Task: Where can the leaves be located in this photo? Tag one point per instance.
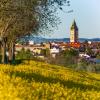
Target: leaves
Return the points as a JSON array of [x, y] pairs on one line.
[[27, 16]]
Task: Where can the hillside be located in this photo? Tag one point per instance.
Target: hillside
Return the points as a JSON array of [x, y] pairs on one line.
[[41, 81]]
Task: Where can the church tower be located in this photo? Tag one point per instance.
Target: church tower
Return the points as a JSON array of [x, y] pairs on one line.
[[74, 33]]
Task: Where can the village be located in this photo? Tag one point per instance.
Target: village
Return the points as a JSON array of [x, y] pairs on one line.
[[87, 49]]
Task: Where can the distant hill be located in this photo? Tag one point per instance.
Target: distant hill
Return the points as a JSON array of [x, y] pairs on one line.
[[41, 39]]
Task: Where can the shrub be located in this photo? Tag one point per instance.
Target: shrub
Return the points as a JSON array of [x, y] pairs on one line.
[[66, 58], [24, 54]]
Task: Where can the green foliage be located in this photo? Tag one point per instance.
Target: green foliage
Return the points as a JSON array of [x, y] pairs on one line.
[[66, 58], [45, 52], [24, 54], [21, 17], [85, 65], [70, 52], [89, 51], [41, 81], [98, 55]]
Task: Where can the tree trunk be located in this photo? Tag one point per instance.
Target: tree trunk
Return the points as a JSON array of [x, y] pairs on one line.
[[12, 52], [4, 50]]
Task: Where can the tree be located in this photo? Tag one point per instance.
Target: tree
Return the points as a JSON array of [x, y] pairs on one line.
[[70, 56], [66, 57], [24, 54], [23, 17], [45, 52], [15, 22]]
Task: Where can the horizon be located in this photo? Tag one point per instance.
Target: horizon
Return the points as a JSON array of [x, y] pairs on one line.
[[69, 38], [62, 37]]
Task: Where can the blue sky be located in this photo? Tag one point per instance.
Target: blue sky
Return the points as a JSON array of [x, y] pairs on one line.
[[87, 16]]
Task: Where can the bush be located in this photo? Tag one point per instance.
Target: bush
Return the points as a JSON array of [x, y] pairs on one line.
[[84, 65], [24, 54], [45, 52], [65, 58]]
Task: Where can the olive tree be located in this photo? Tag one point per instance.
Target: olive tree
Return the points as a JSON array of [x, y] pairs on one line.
[[23, 17]]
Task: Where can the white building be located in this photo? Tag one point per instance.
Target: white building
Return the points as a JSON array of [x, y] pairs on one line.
[[31, 42]]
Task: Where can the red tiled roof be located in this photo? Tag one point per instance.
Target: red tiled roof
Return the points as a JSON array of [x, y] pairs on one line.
[[76, 45]]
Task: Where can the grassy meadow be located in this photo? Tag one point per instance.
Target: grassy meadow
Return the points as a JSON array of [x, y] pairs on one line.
[[42, 81]]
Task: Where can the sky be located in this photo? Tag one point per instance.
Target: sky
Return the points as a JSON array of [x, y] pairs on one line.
[[87, 16]]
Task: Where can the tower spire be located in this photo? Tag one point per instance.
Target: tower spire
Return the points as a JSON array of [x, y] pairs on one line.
[[74, 32], [74, 26]]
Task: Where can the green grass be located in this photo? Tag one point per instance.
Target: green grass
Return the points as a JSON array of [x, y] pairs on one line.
[[42, 81]]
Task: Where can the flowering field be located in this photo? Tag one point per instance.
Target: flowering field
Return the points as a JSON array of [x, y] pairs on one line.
[[41, 81]]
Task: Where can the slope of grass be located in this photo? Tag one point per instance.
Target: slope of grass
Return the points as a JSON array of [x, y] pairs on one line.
[[41, 81]]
